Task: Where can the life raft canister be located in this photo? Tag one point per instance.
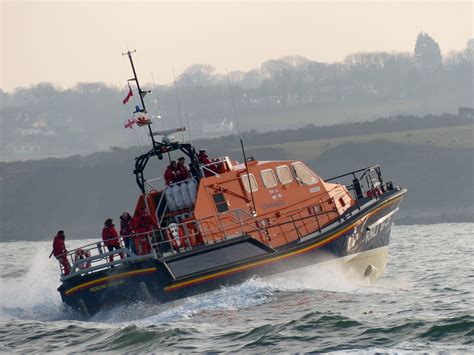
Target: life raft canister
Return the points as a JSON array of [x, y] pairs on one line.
[[175, 235], [82, 254]]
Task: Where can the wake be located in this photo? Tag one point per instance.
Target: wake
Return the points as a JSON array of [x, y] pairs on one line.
[[32, 294]]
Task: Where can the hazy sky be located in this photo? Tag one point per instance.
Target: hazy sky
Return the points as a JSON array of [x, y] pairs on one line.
[[72, 41]]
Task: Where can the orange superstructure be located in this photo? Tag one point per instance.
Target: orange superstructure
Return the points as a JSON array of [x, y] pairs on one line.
[[276, 202]]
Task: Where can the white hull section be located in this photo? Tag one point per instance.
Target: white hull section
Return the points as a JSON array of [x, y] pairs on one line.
[[367, 266]]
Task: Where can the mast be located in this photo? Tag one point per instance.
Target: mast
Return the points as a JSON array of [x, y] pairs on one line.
[[158, 147], [140, 93]]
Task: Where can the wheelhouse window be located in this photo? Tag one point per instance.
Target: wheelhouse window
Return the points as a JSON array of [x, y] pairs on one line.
[[253, 182], [269, 179], [317, 209], [305, 175], [284, 174], [220, 202]]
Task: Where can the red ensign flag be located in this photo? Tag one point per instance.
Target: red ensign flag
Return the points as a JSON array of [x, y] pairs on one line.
[[129, 95]]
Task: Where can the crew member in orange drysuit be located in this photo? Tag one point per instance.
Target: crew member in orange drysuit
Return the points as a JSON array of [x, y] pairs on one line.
[[143, 224], [60, 252], [171, 173], [111, 238]]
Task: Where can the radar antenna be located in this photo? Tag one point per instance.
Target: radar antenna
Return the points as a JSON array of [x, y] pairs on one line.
[[166, 134]]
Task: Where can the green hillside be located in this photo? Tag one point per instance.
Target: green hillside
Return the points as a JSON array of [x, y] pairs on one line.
[[343, 113], [456, 137]]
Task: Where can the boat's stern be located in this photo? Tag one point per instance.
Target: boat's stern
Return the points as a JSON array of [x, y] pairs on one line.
[[124, 282]]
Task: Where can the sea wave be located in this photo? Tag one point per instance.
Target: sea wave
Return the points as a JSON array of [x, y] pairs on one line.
[[423, 304]]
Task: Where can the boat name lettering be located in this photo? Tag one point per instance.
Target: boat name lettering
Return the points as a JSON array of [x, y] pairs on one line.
[[107, 285], [314, 189], [275, 204], [378, 228]]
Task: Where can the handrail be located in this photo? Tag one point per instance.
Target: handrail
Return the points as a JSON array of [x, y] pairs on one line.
[[372, 184], [218, 160], [162, 215], [76, 268], [238, 210], [161, 199], [148, 183], [206, 167], [369, 168], [256, 229], [237, 219]]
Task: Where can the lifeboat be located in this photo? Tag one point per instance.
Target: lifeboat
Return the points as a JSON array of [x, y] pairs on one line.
[[230, 221], [255, 218]]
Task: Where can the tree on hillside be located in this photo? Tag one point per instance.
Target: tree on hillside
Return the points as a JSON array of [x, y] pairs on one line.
[[427, 52], [252, 79], [296, 61], [198, 74], [469, 51]]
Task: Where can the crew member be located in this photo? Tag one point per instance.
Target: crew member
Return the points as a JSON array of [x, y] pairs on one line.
[[111, 238], [182, 170], [126, 231], [143, 224], [171, 173], [204, 160], [60, 252]]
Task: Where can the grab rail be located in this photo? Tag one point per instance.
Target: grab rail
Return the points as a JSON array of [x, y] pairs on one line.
[[372, 184], [212, 225]]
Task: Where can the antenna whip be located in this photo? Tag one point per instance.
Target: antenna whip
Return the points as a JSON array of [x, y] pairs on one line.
[[241, 141], [179, 104]]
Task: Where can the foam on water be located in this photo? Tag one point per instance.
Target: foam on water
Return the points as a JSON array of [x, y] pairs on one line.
[[328, 277], [255, 291], [31, 294]]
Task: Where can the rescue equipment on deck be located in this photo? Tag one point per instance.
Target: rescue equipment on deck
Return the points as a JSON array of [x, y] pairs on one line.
[[175, 235], [181, 195], [81, 254]]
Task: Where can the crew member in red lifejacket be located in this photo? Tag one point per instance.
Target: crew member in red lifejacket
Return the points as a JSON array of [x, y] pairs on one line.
[[182, 171], [143, 224], [204, 160], [60, 252], [111, 238], [126, 231], [171, 173]]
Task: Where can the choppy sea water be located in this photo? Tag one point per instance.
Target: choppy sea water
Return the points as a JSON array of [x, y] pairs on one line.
[[424, 302]]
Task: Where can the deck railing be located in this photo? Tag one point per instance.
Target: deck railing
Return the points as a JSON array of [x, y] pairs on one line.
[[227, 225], [374, 185]]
